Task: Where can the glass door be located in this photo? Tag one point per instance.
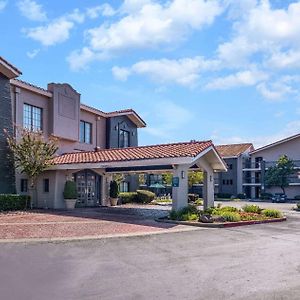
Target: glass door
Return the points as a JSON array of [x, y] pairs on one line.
[[88, 188]]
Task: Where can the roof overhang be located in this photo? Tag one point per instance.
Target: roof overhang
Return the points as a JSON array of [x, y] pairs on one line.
[[276, 143], [29, 87], [210, 155], [8, 69]]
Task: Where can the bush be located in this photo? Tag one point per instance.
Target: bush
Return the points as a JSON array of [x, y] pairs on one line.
[[266, 196], [241, 196], [298, 205], [144, 196], [224, 195], [128, 197], [229, 216], [272, 213], [114, 189], [14, 202], [193, 197], [252, 209], [70, 190], [297, 197], [198, 202], [188, 213]]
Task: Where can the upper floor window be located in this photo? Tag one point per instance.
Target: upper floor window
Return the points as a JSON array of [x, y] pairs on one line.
[[85, 134], [32, 117], [123, 138]]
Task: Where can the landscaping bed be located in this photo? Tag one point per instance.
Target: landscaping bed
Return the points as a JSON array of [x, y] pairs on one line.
[[226, 216]]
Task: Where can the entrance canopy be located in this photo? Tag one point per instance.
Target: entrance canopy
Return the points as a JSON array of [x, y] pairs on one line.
[[177, 158]]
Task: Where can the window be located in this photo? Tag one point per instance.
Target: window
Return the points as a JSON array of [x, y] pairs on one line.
[[124, 186], [24, 185], [123, 138], [231, 182], [224, 182], [32, 117], [156, 178], [230, 166], [85, 132], [46, 185]]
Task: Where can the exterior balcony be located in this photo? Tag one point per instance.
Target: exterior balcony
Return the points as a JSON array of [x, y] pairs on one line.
[[251, 166]]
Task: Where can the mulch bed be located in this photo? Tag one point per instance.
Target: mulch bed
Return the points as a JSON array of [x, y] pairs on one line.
[[221, 225]]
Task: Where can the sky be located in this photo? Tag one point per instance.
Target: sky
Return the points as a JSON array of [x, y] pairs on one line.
[[225, 70]]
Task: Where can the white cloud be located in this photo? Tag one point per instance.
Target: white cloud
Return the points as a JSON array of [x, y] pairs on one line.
[[105, 10], [185, 71], [168, 120], [56, 31], [32, 10], [285, 60], [33, 53], [150, 24], [2, 5], [120, 73], [242, 78]]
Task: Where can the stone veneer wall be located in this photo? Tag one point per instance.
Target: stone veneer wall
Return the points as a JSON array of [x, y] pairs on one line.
[[7, 171]]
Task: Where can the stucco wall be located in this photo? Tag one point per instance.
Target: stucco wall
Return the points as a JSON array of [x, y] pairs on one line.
[[231, 174], [121, 122]]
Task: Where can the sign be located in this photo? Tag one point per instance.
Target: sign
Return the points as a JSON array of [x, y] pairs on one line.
[[175, 182]]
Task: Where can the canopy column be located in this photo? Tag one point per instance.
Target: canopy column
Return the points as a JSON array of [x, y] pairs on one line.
[[208, 189], [106, 179], [180, 192]]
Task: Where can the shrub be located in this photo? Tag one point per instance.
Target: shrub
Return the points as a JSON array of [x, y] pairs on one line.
[[241, 196], [114, 189], [70, 190], [297, 197], [298, 205], [14, 202], [198, 202], [252, 209], [266, 196], [188, 213], [229, 216], [144, 196], [272, 213], [224, 195], [128, 197], [193, 197]]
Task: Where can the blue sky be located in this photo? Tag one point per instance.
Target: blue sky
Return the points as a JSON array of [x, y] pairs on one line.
[[224, 70]]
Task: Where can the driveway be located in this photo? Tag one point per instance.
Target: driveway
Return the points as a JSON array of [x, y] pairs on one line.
[[81, 223], [249, 262]]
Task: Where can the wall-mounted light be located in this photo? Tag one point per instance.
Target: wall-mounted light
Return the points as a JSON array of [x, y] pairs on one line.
[[182, 174], [210, 178]]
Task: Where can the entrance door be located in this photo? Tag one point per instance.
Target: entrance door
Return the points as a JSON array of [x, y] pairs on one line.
[[88, 188]]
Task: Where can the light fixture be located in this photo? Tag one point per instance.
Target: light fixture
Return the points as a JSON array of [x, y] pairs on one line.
[[182, 174]]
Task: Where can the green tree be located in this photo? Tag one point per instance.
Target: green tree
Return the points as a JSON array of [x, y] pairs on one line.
[[33, 154], [195, 177], [167, 178], [278, 175]]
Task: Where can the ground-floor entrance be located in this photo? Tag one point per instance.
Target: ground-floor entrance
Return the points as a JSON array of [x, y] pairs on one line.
[[88, 188]]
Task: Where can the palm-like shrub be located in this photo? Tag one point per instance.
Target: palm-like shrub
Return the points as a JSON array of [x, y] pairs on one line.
[[70, 190], [114, 189]]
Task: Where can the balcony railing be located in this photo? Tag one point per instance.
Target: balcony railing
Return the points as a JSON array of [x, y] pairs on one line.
[[251, 165], [293, 179], [269, 164], [248, 165]]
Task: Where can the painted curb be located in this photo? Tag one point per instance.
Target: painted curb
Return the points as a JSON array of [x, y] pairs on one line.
[[221, 225]]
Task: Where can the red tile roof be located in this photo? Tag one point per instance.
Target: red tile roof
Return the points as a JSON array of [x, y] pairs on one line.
[[232, 150], [188, 149]]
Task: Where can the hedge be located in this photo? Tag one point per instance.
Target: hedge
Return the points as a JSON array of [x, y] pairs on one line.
[[266, 196], [224, 195], [144, 196], [128, 197], [14, 202]]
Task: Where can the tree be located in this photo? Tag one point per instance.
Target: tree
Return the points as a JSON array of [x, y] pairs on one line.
[[195, 177], [32, 153], [278, 175], [167, 178]]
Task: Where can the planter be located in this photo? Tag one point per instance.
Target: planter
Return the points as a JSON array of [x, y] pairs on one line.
[[114, 201], [70, 203]]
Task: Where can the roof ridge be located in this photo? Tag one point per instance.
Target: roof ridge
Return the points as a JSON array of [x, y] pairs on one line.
[[138, 147], [32, 85], [11, 65]]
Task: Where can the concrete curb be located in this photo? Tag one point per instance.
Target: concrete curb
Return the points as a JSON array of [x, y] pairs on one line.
[[221, 225], [93, 237]]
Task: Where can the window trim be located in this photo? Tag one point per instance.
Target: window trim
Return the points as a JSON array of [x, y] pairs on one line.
[[122, 134], [44, 185], [31, 117], [23, 186], [84, 141]]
